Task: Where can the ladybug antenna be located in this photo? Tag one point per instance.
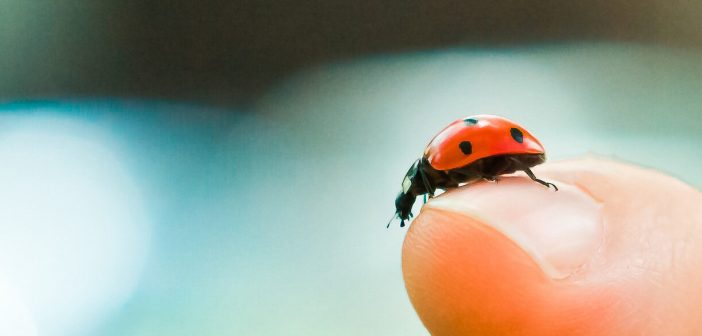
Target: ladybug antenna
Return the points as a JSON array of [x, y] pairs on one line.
[[391, 219]]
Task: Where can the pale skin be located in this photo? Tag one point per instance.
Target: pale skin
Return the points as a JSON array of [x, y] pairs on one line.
[[616, 251]]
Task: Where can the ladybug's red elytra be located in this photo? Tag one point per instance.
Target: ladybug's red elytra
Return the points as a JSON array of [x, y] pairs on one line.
[[470, 149]]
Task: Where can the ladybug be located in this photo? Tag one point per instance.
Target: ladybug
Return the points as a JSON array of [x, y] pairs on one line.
[[470, 149]]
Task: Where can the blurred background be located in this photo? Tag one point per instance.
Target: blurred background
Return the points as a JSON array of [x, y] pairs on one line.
[[228, 167]]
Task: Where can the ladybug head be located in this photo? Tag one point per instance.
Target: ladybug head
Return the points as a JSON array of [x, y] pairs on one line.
[[403, 206]]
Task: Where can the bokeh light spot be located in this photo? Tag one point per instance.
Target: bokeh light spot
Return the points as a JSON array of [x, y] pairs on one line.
[[73, 233]]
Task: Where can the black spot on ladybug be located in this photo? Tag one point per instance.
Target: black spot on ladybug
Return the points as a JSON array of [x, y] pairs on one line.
[[470, 121], [466, 147], [517, 135]]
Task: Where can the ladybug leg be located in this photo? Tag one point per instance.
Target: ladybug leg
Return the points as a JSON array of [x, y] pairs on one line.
[[427, 185], [533, 177], [491, 178], [402, 221]]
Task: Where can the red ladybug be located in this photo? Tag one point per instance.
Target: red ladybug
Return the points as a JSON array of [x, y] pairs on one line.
[[468, 150]]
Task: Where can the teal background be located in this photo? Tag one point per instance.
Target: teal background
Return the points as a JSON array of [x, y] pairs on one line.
[[269, 219]]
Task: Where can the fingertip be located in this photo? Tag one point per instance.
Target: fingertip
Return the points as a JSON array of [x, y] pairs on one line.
[[593, 258], [473, 268]]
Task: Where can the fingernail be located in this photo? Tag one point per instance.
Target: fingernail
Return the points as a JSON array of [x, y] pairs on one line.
[[561, 230]]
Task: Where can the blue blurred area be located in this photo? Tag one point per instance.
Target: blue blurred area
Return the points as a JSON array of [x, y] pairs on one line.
[[271, 220]]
